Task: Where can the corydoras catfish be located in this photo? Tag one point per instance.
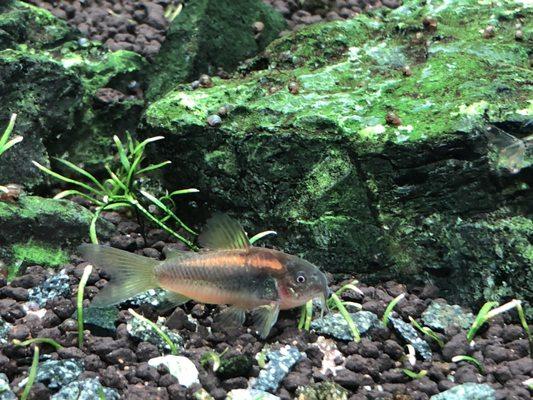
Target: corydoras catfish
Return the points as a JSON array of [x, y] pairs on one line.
[[228, 270]]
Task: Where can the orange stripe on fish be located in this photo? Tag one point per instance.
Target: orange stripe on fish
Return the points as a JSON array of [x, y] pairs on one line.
[[265, 261]]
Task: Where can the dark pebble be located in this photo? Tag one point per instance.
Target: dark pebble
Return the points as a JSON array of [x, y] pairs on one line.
[[466, 373], [147, 372], [145, 351], [347, 379], [112, 377], [294, 380], [70, 352], [120, 356], [235, 383], [15, 293]]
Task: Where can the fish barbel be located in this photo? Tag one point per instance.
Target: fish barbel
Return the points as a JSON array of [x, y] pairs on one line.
[[227, 271]]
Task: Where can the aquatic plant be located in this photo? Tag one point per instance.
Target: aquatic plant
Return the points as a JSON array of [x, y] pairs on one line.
[[489, 311], [79, 301], [212, 357], [6, 144], [172, 11], [390, 307], [413, 374], [123, 188], [32, 375], [28, 342], [157, 329], [427, 331], [470, 360], [334, 302]]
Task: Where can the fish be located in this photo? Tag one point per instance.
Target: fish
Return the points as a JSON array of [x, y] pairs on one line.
[[227, 270]]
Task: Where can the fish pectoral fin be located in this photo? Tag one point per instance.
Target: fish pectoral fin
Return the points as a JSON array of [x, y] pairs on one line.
[[223, 233], [231, 316], [265, 317]]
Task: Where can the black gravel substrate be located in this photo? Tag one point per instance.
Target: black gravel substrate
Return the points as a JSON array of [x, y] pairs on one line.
[[370, 369]]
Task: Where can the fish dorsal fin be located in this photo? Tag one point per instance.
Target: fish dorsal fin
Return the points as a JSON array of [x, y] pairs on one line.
[[223, 232]]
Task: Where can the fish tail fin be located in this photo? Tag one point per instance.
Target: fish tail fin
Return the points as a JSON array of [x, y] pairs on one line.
[[131, 274]]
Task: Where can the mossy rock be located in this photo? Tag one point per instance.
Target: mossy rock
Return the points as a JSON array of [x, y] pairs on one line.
[[50, 77], [27, 225], [207, 35], [234, 366], [347, 137]]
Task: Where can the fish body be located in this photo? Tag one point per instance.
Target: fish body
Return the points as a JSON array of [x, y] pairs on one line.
[[229, 271]]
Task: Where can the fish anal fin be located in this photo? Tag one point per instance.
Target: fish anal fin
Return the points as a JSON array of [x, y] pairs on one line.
[[232, 316], [223, 233], [265, 317]]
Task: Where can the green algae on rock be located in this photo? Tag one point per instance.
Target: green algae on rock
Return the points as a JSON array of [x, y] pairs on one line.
[[52, 81], [308, 149], [27, 226], [207, 35]]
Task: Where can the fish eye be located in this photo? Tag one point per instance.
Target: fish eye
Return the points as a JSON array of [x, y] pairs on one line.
[[300, 278]]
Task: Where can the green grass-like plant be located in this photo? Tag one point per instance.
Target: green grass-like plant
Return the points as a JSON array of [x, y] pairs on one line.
[[334, 302], [28, 342], [390, 307], [213, 358], [471, 360], [123, 189], [157, 329], [172, 11], [490, 310], [427, 331], [79, 301], [413, 374], [32, 375], [6, 143]]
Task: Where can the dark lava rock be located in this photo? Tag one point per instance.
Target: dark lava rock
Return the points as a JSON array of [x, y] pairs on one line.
[[56, 286], [58, 373], [440, 315], [101, 321], [4, 330], [279, 364], [5, 389], [146, 333], [85, 389], [470, 391], [410, 335], [335, 325]]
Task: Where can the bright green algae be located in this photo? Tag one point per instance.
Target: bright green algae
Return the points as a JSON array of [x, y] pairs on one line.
[[463, 77], [37, 230], [56, 96], [345, 189]]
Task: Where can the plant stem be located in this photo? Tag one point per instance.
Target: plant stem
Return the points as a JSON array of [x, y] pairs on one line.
[[163, 335], [347, 317], [32, 374], [81, 287], [49, 341]]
